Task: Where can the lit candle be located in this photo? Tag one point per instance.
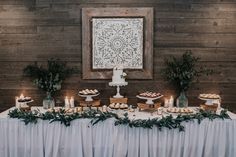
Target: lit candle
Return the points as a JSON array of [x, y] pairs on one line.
[[171, 101], [21, 96], [166, 103], [17, 103], [67, 103], [72, 102]]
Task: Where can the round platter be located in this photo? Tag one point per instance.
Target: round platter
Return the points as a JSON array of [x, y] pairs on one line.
[[88, 97], [26, 102], [210, 101], [149, 100], [179, 110], [113, 108]]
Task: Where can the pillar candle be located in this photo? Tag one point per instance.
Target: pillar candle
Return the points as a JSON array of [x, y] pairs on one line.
[[17, 103], [72, 102], [171, 102], [67, 103], [166, 103]]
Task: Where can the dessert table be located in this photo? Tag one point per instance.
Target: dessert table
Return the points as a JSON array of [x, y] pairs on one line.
[[215, 138]]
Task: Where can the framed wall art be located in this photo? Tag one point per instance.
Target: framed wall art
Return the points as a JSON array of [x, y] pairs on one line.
[[117, 36]]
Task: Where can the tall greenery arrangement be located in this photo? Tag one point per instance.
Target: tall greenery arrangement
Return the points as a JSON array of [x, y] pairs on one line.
[[49, 79], [183, 71]]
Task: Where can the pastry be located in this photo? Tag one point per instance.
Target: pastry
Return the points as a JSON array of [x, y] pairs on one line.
[[118, 106], [149, 94], [209, 96], [112, 105], [179, 110], [88, 92]]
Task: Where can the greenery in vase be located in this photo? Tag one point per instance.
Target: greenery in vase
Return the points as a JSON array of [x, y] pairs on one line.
[[49, 79], [182, 72]]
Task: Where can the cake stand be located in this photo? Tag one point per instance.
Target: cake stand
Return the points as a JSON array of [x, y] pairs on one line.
[[210, 101], [89, 98], [24, 104], [118, 88], [149, 100]]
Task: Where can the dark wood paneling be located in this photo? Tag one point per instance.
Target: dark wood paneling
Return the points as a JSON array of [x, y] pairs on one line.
[[36, 30]]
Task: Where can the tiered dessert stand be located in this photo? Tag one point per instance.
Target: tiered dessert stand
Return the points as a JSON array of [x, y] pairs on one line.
[[149, 105], [210, 104], [24, 105], [149, 100], [88, 98], [210, 101], [89, 102], [118, 95]]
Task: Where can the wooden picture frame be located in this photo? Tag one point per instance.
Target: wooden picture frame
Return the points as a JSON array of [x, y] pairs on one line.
[[89, 13]]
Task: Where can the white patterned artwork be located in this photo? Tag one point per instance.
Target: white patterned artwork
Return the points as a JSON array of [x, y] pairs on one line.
[[117, 41]]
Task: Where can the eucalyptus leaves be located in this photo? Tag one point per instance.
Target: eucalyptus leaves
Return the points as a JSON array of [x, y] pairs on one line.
[[182, 72], [49, 79], [97, 116]]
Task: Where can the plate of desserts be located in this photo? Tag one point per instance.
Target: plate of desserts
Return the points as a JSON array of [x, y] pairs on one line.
[[118, 106], [210, 98], [26, 99], [149, 96], [88, 94], [185, 110]]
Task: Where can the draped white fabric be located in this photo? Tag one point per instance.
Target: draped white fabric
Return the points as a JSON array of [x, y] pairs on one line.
[[215, 138]]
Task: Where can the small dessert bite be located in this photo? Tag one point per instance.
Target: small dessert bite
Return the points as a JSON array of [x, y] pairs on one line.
[[209, 96], [117, 106], [88, 92], [149, 94]]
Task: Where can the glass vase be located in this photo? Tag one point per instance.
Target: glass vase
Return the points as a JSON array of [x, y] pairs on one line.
[[48, 102], [182, 100]]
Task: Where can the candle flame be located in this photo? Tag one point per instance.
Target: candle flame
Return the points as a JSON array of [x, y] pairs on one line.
[[21, 96]]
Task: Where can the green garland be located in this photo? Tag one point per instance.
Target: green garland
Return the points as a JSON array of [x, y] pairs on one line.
[[97, 116]]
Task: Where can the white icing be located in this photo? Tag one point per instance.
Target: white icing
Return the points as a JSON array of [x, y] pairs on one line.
[[118, 75]]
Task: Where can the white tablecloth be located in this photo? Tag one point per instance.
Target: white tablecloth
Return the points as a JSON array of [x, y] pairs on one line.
[[209, 139]]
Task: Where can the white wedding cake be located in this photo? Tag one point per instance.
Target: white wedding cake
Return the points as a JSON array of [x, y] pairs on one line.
[[118, 75], [118, 79]]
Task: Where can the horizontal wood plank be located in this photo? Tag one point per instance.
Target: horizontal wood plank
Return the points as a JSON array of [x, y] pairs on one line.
[[36, 30]]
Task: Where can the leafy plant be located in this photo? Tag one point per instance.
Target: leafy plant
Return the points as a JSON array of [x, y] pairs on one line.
[[49, 79], [182, 72], [98, 116]]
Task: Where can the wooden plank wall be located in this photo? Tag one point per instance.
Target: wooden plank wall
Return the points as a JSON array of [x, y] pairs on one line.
[[36, 30]]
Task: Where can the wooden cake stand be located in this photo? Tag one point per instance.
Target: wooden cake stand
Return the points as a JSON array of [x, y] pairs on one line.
[[119, 100], [89, 101], [94, 103], [149, 105], [210, 104], [209, 107]]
